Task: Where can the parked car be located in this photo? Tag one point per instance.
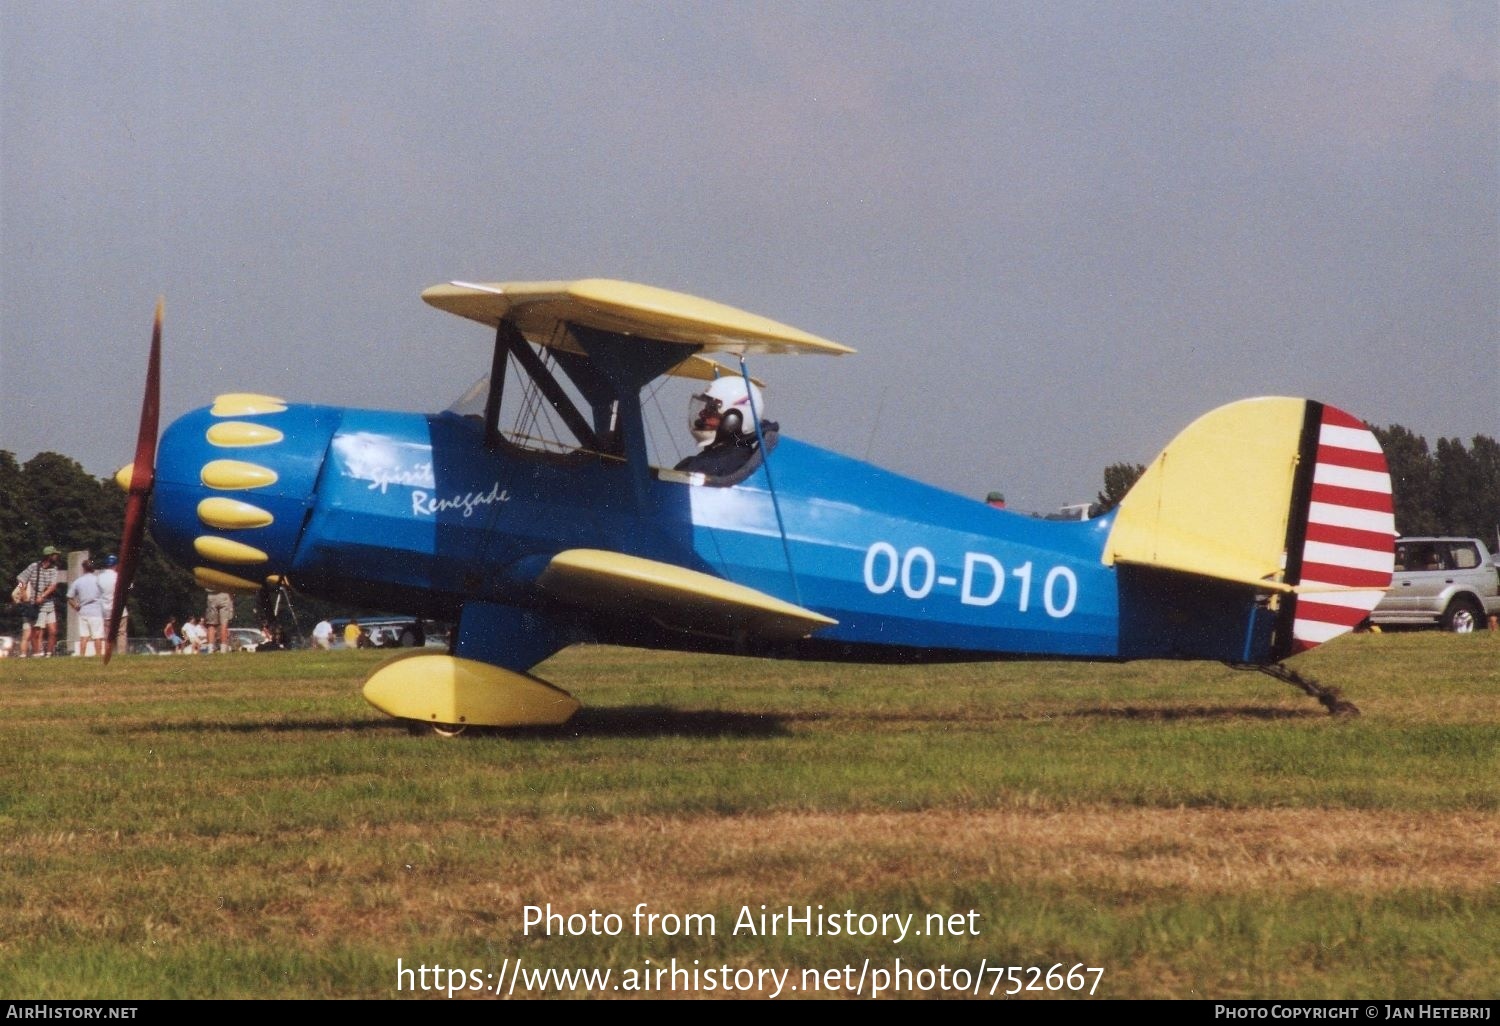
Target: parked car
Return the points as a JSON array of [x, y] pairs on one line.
[[1075, 511], [244, 639], [1453, 583], [150, 646]]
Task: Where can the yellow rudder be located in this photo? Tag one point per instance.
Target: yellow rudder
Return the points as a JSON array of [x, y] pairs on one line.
[[1216, 501]]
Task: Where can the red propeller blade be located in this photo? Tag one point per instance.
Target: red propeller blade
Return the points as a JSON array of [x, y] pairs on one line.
[[142, 476]]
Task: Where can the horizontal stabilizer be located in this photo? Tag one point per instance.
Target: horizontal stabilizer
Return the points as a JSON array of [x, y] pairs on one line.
[[678, 598], [540, 309]]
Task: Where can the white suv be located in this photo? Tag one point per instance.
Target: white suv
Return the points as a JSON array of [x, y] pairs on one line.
[[1451, 582]]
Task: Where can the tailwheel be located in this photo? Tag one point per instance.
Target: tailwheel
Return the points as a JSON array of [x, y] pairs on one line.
[[1331, 697]]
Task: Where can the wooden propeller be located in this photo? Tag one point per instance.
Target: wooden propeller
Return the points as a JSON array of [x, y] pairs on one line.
[[142, 477]]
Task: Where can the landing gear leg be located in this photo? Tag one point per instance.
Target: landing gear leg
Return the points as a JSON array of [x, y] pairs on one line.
[[1332, 698]]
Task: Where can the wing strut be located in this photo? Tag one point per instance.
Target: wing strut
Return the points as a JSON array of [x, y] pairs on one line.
[[532, 364], [765, 458], [498, 363]]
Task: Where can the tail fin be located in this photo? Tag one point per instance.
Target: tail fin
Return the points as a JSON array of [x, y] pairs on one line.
[[1285, 497]]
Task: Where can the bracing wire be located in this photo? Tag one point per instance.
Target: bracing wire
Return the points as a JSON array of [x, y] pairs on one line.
[[765, 458]]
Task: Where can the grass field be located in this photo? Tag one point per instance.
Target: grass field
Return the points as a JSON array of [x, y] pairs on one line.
[[246, 826]]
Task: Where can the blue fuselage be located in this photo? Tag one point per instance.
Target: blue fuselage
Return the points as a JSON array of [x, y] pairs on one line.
[[414, 513]]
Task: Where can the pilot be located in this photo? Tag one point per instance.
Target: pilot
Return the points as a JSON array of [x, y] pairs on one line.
[[722, 420]]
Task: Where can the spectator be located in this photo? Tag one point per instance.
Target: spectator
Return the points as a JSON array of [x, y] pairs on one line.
[[38, 614], [217, 616], [85, 598], [108, 578], [322, 635], [194, 636]]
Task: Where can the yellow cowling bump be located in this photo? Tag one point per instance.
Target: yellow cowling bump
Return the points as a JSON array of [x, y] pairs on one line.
[[124, 475], [209, 578], [246, 404], [237, 474], [445, 689], [232, 515], [234, 434], [222, 550]]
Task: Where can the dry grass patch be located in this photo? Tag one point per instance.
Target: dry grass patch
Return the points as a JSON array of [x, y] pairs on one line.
[[382, 878], [711, 860]]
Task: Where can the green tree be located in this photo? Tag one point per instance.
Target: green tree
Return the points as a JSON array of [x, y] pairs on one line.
[[20, 537], [1413, 479], [1486, 454], [1118, 479], [1459, 489], [69, 504]]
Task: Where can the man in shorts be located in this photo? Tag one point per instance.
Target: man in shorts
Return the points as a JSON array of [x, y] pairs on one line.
[[39, 618], [87, 599], [217, 617]]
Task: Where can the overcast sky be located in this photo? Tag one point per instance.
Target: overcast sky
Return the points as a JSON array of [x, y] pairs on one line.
[[1055, 232]]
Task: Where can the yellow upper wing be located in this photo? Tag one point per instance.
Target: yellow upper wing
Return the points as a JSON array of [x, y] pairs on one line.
[[539, 309]]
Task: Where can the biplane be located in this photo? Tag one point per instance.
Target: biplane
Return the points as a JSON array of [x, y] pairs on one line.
[[1263, 529]]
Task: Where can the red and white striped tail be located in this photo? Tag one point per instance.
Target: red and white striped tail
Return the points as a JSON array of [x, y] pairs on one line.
[[1351, 533]]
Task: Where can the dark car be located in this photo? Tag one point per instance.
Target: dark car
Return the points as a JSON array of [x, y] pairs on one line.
[[391, 632]]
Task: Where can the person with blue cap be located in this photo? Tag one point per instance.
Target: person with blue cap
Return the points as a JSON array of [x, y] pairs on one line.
[[108, 578]]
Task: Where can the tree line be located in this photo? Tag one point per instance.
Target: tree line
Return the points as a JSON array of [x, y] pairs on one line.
[[1449, 489], [50, 499]]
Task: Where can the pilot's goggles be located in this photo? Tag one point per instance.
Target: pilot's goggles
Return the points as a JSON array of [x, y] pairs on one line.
[[703, 412]]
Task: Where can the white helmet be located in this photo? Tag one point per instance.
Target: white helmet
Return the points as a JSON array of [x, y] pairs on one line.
[[725, 407]]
